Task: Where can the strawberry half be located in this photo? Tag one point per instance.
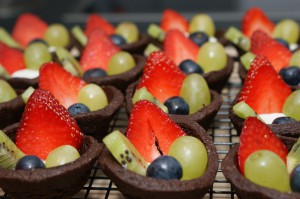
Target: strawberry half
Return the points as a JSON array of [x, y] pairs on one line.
[[173, 20], [11, 59], [62, 84], [264, 90], [177, 46], [255, 19], [98, 51], [96, 21], [46, 125], [151, 130], [28, 27], [255, 136], [162, 77]]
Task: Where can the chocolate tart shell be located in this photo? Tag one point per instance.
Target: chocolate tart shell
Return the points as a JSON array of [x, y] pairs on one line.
[[203, 117], [137, 47], [57, 182], [136, 186]]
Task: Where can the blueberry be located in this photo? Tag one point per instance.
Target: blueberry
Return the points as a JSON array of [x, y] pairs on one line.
[[29, 162], [295, 179], [189, 66], [283, 42], [199, 38], [291, 75], [177, 105], [78, 108], [117, 39], [165, 167], [283, 120], [38, 40], [94, 73]]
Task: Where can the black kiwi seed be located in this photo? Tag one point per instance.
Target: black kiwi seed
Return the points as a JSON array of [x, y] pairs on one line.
[[128, 159], [122, 156], [126, 152], [123, 163]]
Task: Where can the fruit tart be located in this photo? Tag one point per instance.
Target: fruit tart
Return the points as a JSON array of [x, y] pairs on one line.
[[46, 155], [152, 163], [180, 95]]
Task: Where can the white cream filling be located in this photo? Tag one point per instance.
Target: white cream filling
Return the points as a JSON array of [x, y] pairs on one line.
[[26, 73], [269, 118]]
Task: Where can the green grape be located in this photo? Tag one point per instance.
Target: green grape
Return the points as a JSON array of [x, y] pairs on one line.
[[203, 23], [61, 155], [7, 93], [295, 60], [267, 169], [36, 54], [120, 62], [129, 31], [243, 110], [192, 155], [93, 97], [288, 30], [195, 92], [291, 107], [57, 35], [212, 57]]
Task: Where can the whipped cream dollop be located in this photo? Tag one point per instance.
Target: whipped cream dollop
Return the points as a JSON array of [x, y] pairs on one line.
[[269, 118], [26, 73]]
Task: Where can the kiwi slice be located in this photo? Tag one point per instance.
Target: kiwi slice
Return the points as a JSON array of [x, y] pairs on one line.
[[125, 153], [3, 72], [156, 32], [150, 48], [7, 39], [246, 59], [9, 152], [27, 93], [293, 157], [79, 35], [238, 38], [243, 110], [68, 61]]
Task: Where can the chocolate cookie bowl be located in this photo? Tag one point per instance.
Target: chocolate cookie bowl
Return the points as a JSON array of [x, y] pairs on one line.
[[57, 182], [133, 185], [137, 47]]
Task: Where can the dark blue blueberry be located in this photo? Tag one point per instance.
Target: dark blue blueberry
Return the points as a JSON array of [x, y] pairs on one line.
[[38, 40], [283, 42], [94, 73], [30, 162], [117, 39], [78, 108], [295, 179], [283, 120], [189, 66], [291, 75], [199, 38], [165, 167], [177, 105]]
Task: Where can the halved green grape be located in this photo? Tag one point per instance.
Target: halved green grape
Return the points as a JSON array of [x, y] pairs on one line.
[[120, 62], [7, 39], [295, 60], [243, 110], [192, 155], [293, 157], [79, 35], [61, 155], [150, 49], [291, 107], [57, 35], [202, 23], [238, 38], [93, 97], [287, 29], [267, 169], [156, 32], [195, 92], [27, 93], [36, 54], [212, 57], [7, 93], [129, 31], [246, 59]]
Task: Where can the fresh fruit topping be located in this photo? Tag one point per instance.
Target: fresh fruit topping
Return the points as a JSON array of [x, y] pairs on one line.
[[150, 49], [165, 167], [28, 27], [287, 29], [177, 105], [27, 93], [161, 77], [177, 46], [202, 23], [283, 42], [62, 155], [26, 73], [293, 158], [11, 59], [295, 179], [129, 31], [259, 39], [212, 57], [199, 38], [57, 35], [117, 39], [291, 75], [195, 92], [173, 20], [295, 60], [77, 109], [68, 61], [255, 136], [98, 51], [36, 54], [158, 130], [191, 154], [291, 107], [120, 62], [266, 168], [125, 152], [243, 110], [283, 120], [264, 90], [79, 35], [7, 93], [94, 73], [189, 66], [156, 32], [7, 39], [255, 19], [62, 84], [3, 72], [95, 22], [238, 38], [246, 59], [30, 162], [269, 117]]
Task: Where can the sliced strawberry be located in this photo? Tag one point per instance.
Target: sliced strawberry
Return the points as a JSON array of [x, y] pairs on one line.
[[255, 19], [96, 21], [258, 40], [151, 130], [46, 125], [62, 84], [11, 59], [162, 77], [179, 47], [264, 90], [98, 51], [173, 20], [28, 27], [256, 135]]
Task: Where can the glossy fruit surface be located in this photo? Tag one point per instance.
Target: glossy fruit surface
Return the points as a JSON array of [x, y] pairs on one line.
[[235, 36], [283, 42], [189, 66], [173, 20], [287, 29], [129, 31], [243, 110], [62, 155], [36, 54], [199, 38], [120, 62], [283, 120], [78, 108], [142, 94], [29, 162], [203, 23], [291, 107], [177, 105], [246, 59], [94, 73], [7, 93], [295, 60], [57, 35], [291, 75], [117, 39], [295, 179], [96, 21]]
